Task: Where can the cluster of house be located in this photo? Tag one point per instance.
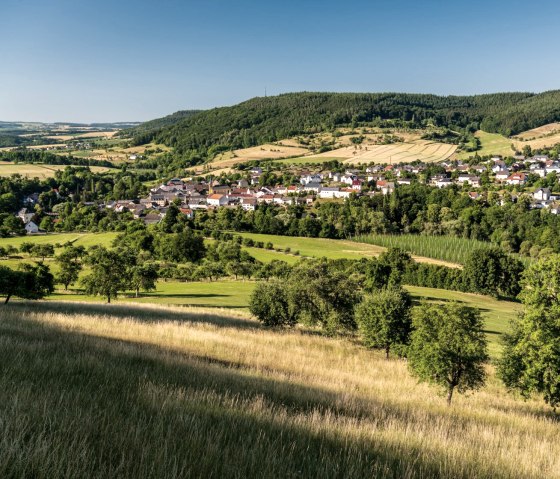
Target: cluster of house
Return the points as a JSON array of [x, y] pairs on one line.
[[199, 195], [515, 175]]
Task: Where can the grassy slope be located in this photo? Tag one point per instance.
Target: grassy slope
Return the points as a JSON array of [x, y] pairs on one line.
[[235, 295], [121, 391], [490, 144]]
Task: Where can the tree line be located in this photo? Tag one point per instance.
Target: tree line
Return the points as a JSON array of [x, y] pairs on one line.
[[444, 344]]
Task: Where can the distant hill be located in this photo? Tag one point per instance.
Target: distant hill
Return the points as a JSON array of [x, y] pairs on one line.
[[262, 120]]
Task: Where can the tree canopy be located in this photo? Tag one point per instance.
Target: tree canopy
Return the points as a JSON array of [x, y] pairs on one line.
[[448, 347]]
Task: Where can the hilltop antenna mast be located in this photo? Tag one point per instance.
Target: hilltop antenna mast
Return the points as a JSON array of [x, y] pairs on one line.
[[265, 91]]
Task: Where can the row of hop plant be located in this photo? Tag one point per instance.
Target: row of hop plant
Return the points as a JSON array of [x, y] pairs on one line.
[[446, 248]]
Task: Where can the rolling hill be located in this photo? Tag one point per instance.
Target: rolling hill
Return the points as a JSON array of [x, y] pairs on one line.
[[264, 120]]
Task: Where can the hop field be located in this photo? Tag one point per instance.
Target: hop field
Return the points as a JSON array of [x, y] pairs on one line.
[[445, 248]]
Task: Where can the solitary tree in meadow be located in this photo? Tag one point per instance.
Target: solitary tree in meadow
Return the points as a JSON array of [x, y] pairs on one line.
[[448, 347], [273, 304], [30, 282], [110, 272], [144, 277], [384, 318]]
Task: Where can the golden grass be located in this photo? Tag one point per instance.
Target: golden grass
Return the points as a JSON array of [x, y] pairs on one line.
[[404, 152], [542, 137], [163, 384]]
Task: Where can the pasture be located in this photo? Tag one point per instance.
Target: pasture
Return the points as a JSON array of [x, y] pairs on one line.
[[230, 294], [127, 390]]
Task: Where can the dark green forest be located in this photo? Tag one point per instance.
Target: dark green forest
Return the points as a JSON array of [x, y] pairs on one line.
[[200, 134]]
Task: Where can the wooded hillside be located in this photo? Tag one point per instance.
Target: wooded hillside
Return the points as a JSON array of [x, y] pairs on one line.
[[262, 120]]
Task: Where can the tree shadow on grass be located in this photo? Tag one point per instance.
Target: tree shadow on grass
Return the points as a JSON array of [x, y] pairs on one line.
[[143, 411], [141, 312]]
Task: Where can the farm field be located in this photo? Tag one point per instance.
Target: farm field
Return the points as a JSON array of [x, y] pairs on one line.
[[446, 248], [334, 249], [91, 390], [405, 152], [541, 137], [37, 170]]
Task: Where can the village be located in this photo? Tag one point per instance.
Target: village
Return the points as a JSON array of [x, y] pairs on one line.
[[192, 195]]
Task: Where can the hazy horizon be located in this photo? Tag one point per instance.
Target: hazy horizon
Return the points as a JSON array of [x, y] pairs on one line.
[[96, 62]]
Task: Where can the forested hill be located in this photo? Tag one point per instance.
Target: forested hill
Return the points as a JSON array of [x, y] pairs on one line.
[[148, 128], [261, 120]]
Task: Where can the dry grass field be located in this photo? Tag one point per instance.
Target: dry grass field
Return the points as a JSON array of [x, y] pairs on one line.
[[543, 137], [37, 170], [90, 390], [427, 151]]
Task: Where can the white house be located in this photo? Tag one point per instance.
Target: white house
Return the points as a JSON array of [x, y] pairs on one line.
[[31, 228], [516, 179], [502, 175], [542, 194], [217, 200], [330, 192], [443, 182]]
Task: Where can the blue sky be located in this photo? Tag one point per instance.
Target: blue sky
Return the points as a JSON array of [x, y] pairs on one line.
[[125, 60]]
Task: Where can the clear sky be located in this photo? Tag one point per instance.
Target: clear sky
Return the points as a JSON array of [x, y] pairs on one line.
[[132, 60]]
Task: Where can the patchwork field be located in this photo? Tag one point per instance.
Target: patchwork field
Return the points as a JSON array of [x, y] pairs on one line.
[[37, 170], [89, 390]]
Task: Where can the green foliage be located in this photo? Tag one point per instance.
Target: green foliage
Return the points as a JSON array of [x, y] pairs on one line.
[[144, 277], [325, 295], [42, 250], [493, 272], [69, 265], [448, 347], [262, 120], [273, 304], [531, 359], [110, 272], [384, 319], [388, 269], [30, 282], [180, 247]]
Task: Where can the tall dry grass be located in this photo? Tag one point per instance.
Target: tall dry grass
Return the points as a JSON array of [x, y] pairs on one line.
[[93, 390]]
